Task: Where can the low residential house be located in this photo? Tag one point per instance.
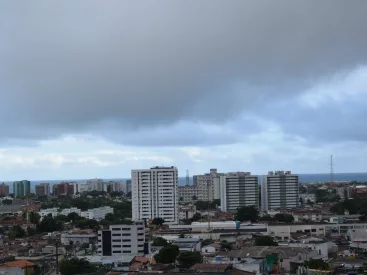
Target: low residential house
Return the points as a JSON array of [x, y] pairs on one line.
[[21, 267], [254, 266], [78, 237], [186, 212], [188, 244], [357, 235], [287, 255], [49, 249], [308, 215], [211, 249], [223, 269]]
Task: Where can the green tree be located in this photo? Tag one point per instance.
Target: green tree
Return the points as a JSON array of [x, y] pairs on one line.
[[194, 198], [34, 217], [76, 266], [188, 258], [317, 264], [159, 241], [87, 224], [265, 241], [16, 232], [266, 218], [49, 224], [167, 254], [157, 221], [31, 231], [286, 218], [247, 213], [224, 245], [73, 217], [196, 217], [302, 189]]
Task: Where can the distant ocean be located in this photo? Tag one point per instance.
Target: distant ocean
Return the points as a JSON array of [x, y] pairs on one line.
[[304, 178]]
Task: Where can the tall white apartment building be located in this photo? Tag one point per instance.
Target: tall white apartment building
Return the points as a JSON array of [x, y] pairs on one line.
[[155, 194], [122, 240], [238, 189], [279, 190]]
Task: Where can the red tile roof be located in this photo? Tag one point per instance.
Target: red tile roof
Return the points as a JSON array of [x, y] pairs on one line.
[[20, 263]]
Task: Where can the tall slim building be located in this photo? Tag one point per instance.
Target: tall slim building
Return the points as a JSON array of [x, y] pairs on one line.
[[238, 189], [21, 188], [155, 194], [279, 190], [4, 190]]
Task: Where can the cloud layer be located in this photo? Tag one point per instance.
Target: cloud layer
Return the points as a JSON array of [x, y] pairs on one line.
[[183, 78], [139, 65]]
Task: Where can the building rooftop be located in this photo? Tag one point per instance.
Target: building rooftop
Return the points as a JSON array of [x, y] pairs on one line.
[[262, 251], [186, 240]]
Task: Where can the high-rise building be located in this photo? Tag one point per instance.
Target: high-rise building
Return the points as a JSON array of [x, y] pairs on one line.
[[279, 190], [155, 194], [238, 189], [21, 188], [95, 184], [203, 188], [42, 189], [63, 189], [123, 240], [4, 190]]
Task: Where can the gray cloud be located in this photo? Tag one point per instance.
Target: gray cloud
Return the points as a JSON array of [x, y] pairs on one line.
[[71, 66]]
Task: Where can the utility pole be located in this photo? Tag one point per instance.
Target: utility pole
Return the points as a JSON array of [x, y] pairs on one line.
[[331, 170], [57, 253]]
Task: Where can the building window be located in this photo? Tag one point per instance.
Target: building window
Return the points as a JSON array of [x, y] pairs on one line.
[[116, 251]]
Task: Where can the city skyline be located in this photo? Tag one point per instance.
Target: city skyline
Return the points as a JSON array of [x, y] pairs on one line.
[[105, 89]]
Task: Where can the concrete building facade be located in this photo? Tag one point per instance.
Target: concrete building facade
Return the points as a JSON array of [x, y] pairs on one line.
[[155, 194], [4, 190], [21, 188], [122, 240], [237, 190], [279, 190], [42, 189]]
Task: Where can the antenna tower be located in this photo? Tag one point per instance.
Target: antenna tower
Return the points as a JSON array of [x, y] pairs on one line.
[[331, 170], [187, 178]]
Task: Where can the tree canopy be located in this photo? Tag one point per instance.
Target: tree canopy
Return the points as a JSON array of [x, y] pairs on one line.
[[247, 213], [34, 217], [317, 264], [286, 218], [188, 258], [158, 221], [76, 266], [265, 241], [159, 241], [167, 254]]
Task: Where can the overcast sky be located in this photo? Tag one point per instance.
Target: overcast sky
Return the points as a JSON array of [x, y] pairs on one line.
[[95, 89]]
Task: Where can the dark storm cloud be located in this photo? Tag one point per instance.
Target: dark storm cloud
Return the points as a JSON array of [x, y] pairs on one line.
[[70, 66]]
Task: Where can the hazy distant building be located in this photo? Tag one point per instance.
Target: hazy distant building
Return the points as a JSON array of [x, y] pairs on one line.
[[279, 190], [155, 194], [238, 189], [63, 189], [21, 188], [203, 188], [42, 189], [95, 184], [4, 190]]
